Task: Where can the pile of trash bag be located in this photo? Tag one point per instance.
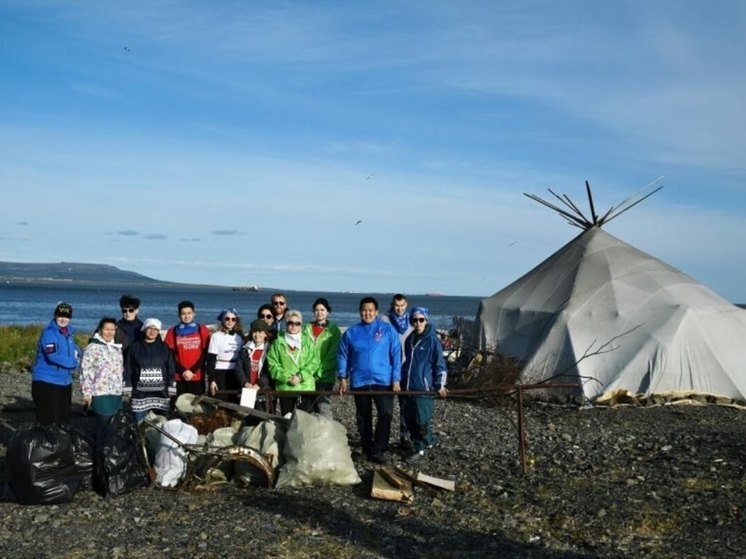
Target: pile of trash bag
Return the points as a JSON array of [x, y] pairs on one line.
[[47, 464], [312, 450]]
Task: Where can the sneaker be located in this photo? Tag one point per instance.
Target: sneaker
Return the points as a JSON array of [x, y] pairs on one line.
[[415, 456], [378, 458]]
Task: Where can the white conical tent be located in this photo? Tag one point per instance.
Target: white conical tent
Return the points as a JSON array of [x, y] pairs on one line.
[[606, 316]]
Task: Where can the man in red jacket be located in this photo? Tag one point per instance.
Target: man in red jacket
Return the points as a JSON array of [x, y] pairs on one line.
[[188, 342]]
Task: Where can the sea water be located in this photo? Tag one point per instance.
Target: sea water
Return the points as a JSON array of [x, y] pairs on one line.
[[34, 303]]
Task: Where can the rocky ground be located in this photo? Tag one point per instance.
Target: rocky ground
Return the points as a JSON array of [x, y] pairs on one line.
[[646, 482]]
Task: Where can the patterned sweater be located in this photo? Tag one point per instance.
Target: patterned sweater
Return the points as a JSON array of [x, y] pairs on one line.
[[149, 375], [102, 368]]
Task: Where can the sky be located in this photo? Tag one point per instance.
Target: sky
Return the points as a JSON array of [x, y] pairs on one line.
[[369, 146]]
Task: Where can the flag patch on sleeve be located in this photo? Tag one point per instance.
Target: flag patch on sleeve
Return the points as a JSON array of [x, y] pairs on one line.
[[50, 348]]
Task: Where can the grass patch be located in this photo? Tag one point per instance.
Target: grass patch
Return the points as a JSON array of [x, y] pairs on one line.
[[700, 484], [18, 344], [654, 524]]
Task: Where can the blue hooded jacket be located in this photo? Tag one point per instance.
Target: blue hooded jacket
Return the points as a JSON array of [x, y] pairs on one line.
[[425, 367], [370, 354], [56, 356]]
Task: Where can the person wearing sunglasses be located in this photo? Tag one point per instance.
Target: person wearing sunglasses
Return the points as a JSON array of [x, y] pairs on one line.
[[222, 354], [324, 335], [252, 369], [129, 327], [279, 302], [293, 363], [266, 314], [424, 370], [369, 359]]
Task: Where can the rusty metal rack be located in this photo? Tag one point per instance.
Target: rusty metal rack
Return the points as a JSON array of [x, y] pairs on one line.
[[502, 390], [216, 455]]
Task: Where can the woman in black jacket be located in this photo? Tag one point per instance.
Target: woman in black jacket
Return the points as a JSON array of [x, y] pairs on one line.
[[149, 373]]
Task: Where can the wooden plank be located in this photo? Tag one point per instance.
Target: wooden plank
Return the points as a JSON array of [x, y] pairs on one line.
[[412, 478], [390, 476], [382, 489], [241, 410], [447, 484]]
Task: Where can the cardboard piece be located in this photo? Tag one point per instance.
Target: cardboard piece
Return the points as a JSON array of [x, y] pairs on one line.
[[248, 397]]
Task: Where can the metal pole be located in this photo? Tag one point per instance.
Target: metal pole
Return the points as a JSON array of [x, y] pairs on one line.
[[521, 432]]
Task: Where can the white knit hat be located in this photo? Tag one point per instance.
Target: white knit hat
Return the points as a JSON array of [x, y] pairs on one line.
[[151, 322]]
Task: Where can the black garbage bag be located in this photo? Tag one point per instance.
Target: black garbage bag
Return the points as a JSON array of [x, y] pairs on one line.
[[41, 466], [120, 463], [83, 448]]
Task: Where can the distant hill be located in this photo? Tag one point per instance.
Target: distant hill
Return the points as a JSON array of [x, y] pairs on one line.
[[71, 272]]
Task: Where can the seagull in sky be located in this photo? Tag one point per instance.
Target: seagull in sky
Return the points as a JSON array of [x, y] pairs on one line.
[[358, 222]]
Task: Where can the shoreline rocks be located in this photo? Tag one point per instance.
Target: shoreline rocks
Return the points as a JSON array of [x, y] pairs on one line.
[[623, 482]]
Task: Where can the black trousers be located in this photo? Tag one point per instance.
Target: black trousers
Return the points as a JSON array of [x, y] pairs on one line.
[[53, 402], [196, 387], [374, 441], [288, 404]]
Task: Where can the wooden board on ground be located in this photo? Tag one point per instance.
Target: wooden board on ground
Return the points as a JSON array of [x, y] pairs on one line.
[[382, 489], [447, 484]]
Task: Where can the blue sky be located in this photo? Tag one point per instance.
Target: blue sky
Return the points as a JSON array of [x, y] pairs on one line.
[[231, 142]]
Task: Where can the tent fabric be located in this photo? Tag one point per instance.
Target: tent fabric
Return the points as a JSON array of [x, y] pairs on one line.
[[605, 316]]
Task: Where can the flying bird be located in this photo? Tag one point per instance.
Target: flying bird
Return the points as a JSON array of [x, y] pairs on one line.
[[127, 49], [358, 222]]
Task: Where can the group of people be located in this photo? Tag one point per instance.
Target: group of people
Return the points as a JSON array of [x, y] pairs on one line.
[[130, 359]]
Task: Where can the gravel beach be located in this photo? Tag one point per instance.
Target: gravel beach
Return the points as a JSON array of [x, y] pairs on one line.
[[626, 482]]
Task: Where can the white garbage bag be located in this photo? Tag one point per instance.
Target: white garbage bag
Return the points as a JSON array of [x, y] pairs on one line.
[[170, 458]]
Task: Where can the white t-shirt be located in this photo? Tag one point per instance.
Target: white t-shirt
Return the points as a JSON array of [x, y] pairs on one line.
[[226, 347]]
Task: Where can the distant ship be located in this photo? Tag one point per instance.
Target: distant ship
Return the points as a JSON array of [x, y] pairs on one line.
[[247, 288]]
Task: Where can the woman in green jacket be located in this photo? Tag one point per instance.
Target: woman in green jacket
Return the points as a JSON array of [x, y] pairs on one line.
[[293, 363], [325, 336]]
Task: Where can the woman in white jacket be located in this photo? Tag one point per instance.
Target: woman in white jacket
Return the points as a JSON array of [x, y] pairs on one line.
[[101, 373]]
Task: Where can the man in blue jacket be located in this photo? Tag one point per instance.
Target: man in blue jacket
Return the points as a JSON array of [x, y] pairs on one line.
[[369, 358], [52, 372]]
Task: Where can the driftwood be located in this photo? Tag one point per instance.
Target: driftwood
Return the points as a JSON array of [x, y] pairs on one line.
[[390, 487], [439, 483], [242, 411], [413, 479]]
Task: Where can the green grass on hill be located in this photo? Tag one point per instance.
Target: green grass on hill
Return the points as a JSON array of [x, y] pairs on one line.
[[18, 344]]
